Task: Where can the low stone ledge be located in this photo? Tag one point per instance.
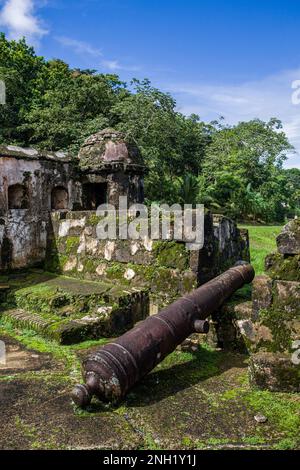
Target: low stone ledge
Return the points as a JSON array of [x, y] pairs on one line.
[[274, 372]]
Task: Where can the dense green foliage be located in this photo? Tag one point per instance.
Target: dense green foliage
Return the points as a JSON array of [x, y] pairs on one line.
[[242, 172], [236, 170]]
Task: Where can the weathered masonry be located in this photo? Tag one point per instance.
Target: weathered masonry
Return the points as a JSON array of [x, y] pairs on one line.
[[93, 287], [268, 327], [33, 184]]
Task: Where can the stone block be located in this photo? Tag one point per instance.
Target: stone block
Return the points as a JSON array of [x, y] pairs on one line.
[[224, 331], [255, 335], [287, 297], [262, 294], [288, 242], [281, 267], [284, 328], [243, 310], [274, 372]]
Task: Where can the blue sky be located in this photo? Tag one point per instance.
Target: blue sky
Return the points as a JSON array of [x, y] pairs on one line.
[[236, 58]]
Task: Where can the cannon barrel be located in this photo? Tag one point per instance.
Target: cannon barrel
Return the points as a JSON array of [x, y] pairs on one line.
[[112, 370]]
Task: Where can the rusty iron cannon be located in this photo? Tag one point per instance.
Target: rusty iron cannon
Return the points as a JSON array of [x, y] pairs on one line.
[[112, 370]]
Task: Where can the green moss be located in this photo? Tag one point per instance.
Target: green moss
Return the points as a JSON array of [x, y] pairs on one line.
[[90, 343], [89, 265], [68, 332], [42, 298], [38, 298], [167, 282], [27, 430], [189, 282], [205, 356], [275, 320], [171, 254], [71, 245], [56, 307], [94, 219], [160, 279], [289, 304], [287, 444], [187, 442], [33, 341], [242, 295], [55, 262], [230, 394], [149, 443], [281, 409], [116, 271], [283, 268], [217, 441], [254, 440]]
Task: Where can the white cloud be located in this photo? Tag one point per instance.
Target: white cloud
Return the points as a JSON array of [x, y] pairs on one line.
[[19, 18], [84, 48], [114, 65], [79, 47], [265, 98]]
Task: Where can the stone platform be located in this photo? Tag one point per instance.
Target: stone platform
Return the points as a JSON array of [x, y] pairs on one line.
[[159, 413], [69, 310]]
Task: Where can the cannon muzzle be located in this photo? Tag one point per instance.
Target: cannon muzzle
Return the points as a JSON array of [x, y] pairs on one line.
[[112, 370]]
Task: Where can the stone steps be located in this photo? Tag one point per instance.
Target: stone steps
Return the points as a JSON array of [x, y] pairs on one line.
[[25, 319], [70, 310]]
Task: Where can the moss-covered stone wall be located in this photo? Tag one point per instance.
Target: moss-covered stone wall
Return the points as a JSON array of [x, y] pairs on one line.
[[24, 228], [268, 328], [167, 268]]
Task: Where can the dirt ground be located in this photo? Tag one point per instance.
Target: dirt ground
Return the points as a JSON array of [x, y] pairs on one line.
[[191, 401]]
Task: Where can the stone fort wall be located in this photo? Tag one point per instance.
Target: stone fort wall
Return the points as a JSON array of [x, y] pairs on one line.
[[28, 181], [167, 268]]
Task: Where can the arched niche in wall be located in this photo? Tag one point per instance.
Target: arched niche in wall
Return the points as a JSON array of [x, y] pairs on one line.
[[94, 194], [18, 197], [59, 198]]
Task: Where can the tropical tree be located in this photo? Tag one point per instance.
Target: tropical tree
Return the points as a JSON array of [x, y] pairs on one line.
[[235, 170]]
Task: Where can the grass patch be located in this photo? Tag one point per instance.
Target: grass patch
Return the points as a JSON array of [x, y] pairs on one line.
[[282, 410], [201, 364], [262, 243], [64, 354], [32, 340]]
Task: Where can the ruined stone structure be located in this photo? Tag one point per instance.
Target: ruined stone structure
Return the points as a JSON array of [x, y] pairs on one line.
[[33, 184], [110, 167], [166, 268], [268, 327], [48, 219]]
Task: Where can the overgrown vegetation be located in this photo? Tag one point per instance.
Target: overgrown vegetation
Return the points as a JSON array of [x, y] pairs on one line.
[[236, 170]]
